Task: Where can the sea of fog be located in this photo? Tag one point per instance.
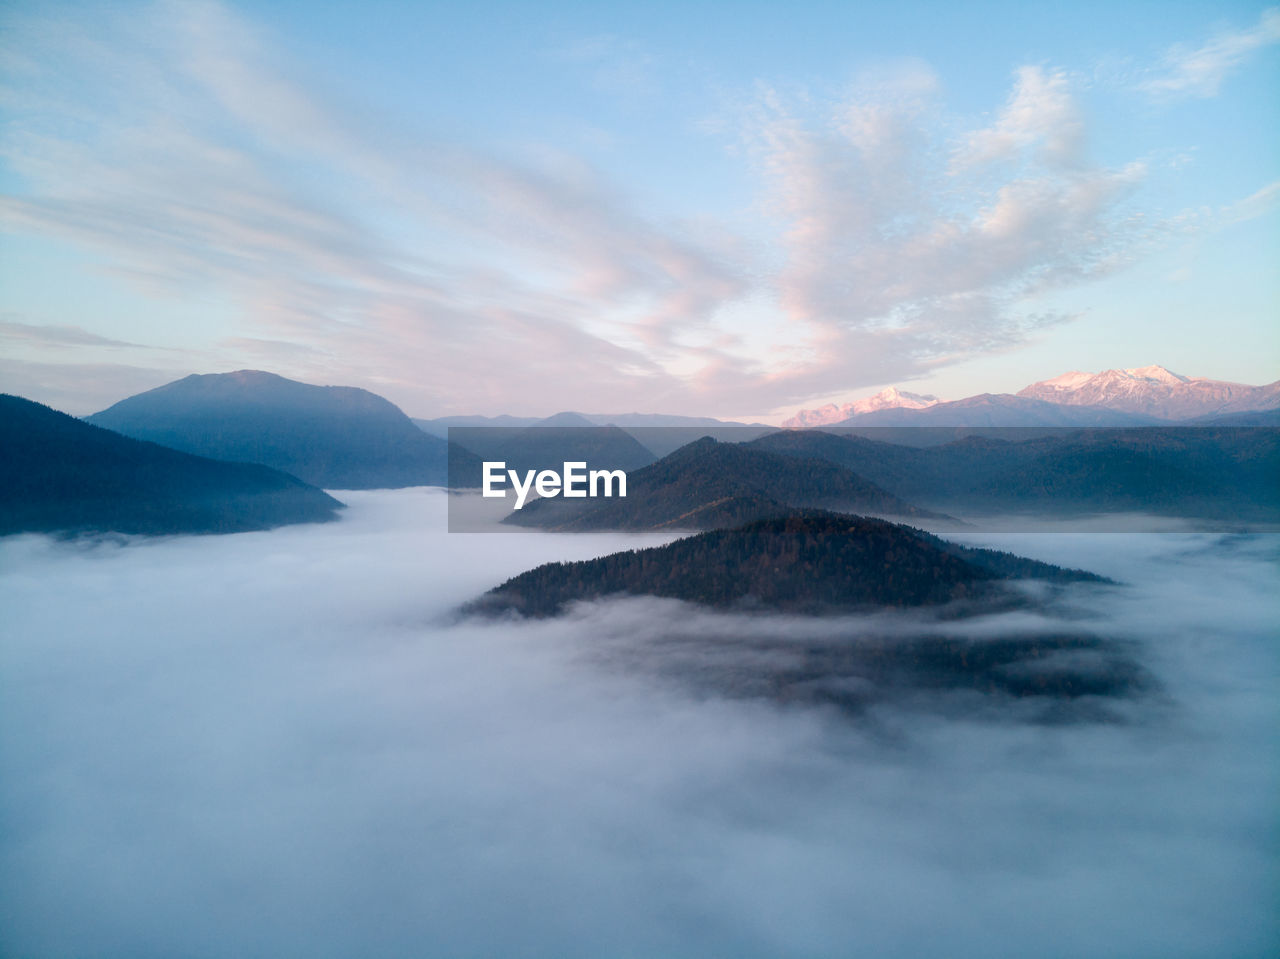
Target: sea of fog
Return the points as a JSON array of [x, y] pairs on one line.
[[285, 744]]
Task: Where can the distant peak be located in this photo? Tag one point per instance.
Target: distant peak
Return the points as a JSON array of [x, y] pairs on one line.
[[889, 398], [1158, 373]]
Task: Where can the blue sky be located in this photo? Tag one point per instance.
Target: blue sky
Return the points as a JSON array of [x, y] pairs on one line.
[[725, 209]]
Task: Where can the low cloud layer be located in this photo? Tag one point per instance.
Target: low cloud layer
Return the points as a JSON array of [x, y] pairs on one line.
[[284, 744]]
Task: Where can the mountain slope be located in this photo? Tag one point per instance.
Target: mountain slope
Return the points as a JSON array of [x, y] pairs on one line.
[[337, 437], [806, 562], [1154, 391], [1216, 473], [708, 484], [58, 473]]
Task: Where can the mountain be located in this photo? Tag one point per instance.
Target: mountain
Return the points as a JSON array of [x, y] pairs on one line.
[[891, 398], [803, 562], [337, 437], [1145, 395], [60, 474], [998, 410], [708, 484], [1219, 473], [1154, 391]]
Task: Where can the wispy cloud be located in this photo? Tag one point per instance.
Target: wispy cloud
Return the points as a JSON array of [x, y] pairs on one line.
[[459, 276], [1191, 71], [56, 336], [1041, 114], [1259, 203]]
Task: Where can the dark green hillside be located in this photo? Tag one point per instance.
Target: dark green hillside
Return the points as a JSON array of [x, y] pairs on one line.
[[707, 484], [337, 437], [807, 561], [60, 474], [1207, 472]]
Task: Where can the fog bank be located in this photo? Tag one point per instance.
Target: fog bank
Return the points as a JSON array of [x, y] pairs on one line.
[[284, 744]]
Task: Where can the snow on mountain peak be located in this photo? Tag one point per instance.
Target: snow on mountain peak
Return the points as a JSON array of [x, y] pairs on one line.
[[889, 398], [1068, 381], [1151, 391], [1157, 373]]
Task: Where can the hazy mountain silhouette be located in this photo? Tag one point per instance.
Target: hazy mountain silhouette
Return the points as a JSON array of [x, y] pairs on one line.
[[707, 484], [1000, 409], [647, 422], [338, 437], [805, 561], [60, 474]]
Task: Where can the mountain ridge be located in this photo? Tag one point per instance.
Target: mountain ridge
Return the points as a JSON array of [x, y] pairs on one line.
[[60, 474], [1149, 394], [337, 437]]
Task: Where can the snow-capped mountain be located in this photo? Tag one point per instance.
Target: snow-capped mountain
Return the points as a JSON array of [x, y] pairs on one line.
[[888, 399], [1154, 391]]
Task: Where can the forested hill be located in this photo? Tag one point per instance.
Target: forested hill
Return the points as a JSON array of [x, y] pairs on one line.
[[807, 561], [1210, 472], [60, 474], [707, 484]]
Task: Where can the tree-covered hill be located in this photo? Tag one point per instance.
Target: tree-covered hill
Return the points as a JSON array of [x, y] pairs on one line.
[[806, 561]]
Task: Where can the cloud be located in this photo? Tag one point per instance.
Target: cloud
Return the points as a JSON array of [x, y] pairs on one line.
[[1258, 203], [1200, 71], [79, 388], [1041, 114], [56, 336], [330, 766], [186, 150], [907, 248], [427, 266]]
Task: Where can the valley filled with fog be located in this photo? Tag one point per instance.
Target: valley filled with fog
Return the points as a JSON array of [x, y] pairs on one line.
[[289, 743]]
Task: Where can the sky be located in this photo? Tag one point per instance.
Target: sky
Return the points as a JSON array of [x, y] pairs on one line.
[[733, 210], [333, 765]]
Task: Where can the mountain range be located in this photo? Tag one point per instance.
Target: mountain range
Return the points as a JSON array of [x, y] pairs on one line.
[[59, 474], [1218, 473], [440, 425], [1155, 391], [1131, 397]]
